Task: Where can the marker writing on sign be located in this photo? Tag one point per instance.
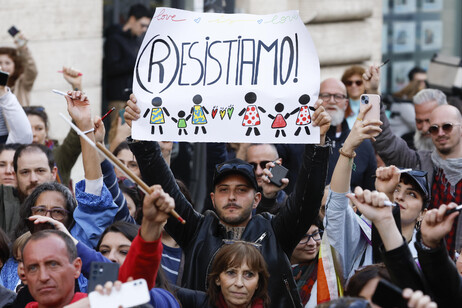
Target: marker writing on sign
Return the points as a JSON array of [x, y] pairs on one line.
[[188, 63]]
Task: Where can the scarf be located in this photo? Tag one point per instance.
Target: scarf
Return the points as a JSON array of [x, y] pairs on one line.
[[221, 303], [451, 168], [305, 276]]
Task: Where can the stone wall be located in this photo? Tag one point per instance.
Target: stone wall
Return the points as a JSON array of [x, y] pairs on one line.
[[345, 32], [60, 33]]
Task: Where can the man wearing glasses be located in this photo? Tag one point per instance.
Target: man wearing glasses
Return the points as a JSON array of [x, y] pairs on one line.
[[235, 195], [333, 94]]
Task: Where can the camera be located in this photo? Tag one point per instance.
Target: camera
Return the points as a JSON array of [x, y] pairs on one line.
[[3, 78], [365, 99]]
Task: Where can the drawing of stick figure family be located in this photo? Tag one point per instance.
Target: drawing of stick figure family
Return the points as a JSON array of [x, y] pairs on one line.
[[251, 116], [158, 114]]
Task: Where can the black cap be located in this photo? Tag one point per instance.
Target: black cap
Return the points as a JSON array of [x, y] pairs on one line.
[[235, 166], [420, 179]]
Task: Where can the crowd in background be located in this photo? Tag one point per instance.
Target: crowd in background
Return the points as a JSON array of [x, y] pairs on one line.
[[366, 218]]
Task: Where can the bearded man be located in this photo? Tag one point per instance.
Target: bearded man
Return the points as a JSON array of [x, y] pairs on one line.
[[333, 94]]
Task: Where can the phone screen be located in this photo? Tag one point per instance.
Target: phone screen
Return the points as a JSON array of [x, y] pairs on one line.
[[388, 295]]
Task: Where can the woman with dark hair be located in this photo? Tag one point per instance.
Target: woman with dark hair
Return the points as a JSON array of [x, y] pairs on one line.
[[304, 262], [238, 277], [116, 241]]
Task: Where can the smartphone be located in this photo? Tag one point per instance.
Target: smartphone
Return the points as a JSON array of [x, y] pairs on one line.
[[3, 78], [13, 31], [102, 272], [121, 115], [279, 172], [387, 295], [374, 112], [132, 293]]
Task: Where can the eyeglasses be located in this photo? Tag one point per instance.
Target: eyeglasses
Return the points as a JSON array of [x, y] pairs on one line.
[[338, 98], [55, 213], [317, 236], [225, 167], [447, 128], [262, 164], [349, 83]]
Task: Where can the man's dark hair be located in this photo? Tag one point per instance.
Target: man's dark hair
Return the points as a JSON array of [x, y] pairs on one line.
[[413, 71], [38, 111], [25, 210], [9, 147], [70, 246], [26, 148], [139, 11]]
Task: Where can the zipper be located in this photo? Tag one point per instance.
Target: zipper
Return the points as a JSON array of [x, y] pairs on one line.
[[260, 239], [286, 283]]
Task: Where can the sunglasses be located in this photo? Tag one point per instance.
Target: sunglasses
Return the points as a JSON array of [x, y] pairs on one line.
[[262, 164], [447, 128], [349, 83], [225, 167]]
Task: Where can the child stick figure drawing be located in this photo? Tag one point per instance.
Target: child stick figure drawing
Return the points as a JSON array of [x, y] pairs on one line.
[[304, 116], [279, 122], [251, 116], [157, 115], [198, 114], [181, 122]]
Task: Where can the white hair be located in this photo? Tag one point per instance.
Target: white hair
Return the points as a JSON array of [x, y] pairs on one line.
[[427, 95]]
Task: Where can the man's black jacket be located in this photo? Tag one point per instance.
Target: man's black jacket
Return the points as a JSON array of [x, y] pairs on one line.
[[202, 235]]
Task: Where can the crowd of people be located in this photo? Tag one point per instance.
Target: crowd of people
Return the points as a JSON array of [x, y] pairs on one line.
[[366, 218]]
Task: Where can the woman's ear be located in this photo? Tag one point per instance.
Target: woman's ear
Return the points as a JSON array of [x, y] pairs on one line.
[[217, 282]]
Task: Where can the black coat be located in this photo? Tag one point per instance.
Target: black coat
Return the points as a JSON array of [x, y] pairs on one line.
[[202, 235]]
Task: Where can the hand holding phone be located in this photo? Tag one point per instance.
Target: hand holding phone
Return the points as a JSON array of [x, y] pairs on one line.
[[18, 38], [374, 113], [3, 78], [132, 293], [102, 272], [279, 172]]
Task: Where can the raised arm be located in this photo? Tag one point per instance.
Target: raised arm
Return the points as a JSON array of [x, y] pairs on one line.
[[397, 256], [342, 224], [146, 249], [391, 148], [154, 170], [303, 204], [439, 270], [19, 129]]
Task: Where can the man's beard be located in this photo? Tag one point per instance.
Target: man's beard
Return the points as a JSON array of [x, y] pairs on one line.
[[337, 116], [423, 143]]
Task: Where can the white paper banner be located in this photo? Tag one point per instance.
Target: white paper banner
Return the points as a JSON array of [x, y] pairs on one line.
[[203, 77]]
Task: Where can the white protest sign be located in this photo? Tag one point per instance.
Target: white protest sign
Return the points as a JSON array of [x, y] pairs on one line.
[[204, 77]]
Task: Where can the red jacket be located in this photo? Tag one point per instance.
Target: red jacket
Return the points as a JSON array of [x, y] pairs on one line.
[[77, 296], [142, 261]]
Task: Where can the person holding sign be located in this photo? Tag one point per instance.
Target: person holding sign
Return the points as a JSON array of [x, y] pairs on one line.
[[234, 197]]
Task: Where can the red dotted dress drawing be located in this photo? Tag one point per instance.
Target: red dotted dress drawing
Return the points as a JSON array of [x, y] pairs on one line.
[[251, 116]]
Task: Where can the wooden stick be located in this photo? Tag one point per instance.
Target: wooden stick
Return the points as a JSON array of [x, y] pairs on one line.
[[115, 161], [133, 176]]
